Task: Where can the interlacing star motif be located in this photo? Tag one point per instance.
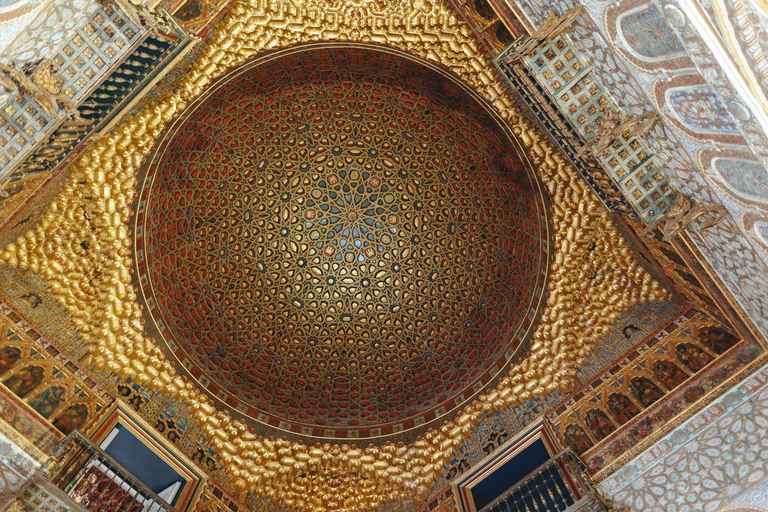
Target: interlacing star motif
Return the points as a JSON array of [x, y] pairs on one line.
[[340, 246]]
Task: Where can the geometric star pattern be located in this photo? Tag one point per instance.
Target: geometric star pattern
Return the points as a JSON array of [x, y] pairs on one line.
[[342, 241]]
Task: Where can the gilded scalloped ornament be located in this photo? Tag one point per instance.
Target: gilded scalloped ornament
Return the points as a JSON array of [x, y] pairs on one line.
[[82, 247], [359, 8]]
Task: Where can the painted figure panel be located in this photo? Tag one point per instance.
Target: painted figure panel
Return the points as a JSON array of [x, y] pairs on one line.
[[622, 407], [692, 356], [669, 374], [575, 437], [717, 339], [79, 410], [9, 356], [49, 400], [629, 330], [599, 424], [73, 418], [44, 378], [646, 391], [638, 322], [35, 431], [484, 9], [25, 380]]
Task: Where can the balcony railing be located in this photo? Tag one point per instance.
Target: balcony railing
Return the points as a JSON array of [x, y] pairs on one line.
[[97, 482], [568, 99], [555, 486], [98, 72]]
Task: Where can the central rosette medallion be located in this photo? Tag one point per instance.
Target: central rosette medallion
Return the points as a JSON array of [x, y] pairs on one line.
[[340, 242]]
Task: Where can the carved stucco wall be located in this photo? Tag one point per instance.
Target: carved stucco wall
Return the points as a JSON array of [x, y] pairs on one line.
[[643, 52], [717, 460]]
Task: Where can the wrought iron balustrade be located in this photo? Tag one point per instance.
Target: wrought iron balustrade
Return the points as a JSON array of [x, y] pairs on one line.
[[95, 481], [558, 485]]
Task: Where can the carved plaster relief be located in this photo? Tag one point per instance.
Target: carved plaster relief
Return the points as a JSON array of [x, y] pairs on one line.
[[644, 37]]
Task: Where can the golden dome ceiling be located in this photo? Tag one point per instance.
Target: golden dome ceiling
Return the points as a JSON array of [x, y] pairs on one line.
[[341, 242], [593, 274]]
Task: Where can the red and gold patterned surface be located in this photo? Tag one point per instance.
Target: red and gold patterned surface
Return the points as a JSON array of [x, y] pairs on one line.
[[340, 243]]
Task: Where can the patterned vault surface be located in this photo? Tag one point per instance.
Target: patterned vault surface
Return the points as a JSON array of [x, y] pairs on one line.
[[340, 242]]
